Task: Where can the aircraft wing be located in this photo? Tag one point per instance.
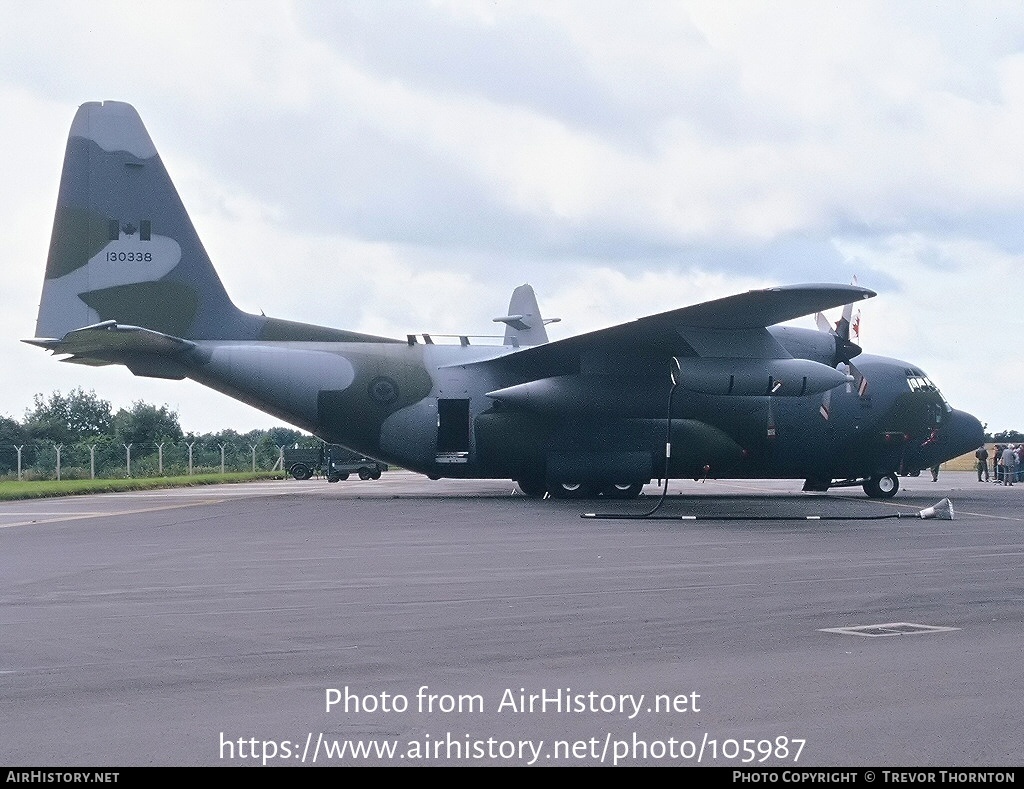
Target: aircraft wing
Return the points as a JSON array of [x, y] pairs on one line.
[[734, 326]]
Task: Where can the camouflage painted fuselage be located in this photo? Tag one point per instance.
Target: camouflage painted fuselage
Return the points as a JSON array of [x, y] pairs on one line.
[[389, 401]]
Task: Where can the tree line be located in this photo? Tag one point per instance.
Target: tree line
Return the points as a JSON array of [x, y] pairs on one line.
[[78, 435]]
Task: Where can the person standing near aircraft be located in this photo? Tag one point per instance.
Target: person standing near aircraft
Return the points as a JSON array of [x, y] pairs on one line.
[[982, 456], [1009, 464]]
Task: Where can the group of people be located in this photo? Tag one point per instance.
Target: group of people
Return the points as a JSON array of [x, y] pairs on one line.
[[1007, 463]]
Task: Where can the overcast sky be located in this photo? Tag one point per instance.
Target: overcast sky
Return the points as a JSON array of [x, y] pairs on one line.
[[398, 167]]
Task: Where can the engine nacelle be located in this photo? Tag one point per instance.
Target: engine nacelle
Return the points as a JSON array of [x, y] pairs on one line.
[[758, 377], [647, 396]]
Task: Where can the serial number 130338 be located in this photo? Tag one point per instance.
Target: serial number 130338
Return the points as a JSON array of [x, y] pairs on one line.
[[130, 257]]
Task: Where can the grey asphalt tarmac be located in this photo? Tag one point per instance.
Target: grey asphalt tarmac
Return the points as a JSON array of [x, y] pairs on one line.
[[406, 621]]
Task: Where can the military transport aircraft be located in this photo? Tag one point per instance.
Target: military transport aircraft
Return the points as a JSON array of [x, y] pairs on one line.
[[129, 282]]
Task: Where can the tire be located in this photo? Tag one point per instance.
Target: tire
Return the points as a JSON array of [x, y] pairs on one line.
[[532, 488], [301, 471], [622, 490], [364, 473], [375, 474], [882, 486], [571, 490], [343, 476]]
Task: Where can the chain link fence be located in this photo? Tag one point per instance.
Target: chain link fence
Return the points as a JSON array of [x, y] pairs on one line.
[[105, 458]]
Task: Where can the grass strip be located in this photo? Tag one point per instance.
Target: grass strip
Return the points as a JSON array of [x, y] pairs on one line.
[[77, 487]]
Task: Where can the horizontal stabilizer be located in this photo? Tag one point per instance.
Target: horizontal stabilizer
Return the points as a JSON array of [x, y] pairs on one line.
[[143, 351], [524, 324]]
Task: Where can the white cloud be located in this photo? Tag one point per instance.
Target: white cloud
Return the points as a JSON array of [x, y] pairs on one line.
[[401, 167], [955, 314]]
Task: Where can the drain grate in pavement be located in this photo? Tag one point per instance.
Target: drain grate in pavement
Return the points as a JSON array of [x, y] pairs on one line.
[[889, 629]]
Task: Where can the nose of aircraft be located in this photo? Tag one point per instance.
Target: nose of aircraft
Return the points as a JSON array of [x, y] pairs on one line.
[[960, 433], [964, 432]]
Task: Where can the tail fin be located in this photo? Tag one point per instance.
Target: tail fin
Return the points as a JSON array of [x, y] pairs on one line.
[[123, 248], [124, 254], [524, 324]]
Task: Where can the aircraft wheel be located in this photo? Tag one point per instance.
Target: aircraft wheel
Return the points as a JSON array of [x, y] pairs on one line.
[[571, 490], [364, 473], [533, 488], [301, 471], [622, 490], [883, 486]]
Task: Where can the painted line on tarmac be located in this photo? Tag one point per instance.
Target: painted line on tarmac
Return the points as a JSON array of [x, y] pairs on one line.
[[110, 514]]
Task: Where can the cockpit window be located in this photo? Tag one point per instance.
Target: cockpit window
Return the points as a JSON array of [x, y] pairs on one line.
[[922, 383]]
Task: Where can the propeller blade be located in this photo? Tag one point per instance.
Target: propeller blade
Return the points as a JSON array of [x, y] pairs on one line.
[[859, 380], [843, 327], [846, 327]]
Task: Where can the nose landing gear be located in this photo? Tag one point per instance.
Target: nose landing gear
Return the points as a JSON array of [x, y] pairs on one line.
[[882, 486]]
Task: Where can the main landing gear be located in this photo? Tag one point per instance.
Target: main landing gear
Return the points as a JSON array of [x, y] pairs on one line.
[[536, 489]]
